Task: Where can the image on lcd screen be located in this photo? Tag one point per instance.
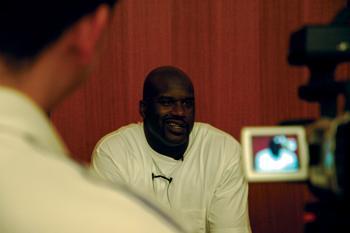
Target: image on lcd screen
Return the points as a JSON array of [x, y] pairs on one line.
[[275, 153]]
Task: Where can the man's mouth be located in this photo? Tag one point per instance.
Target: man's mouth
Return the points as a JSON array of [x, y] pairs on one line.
[[177, 127]]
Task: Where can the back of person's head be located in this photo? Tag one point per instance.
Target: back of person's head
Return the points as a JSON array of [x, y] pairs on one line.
[[275, 145], [29, 26], [163, 72]]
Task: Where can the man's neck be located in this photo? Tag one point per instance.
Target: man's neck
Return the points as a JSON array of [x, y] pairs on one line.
[[173, 151]]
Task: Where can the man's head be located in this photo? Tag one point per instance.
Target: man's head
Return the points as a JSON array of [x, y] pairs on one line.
[[275, 147], [27, 27], [48, 47], [168, 110]]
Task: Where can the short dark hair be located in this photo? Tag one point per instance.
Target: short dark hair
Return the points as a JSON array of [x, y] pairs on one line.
[[28, 26]]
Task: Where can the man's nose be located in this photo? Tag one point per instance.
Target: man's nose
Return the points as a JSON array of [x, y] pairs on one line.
[[178, 109]]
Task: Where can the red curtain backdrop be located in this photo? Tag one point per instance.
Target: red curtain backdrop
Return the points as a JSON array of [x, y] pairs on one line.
[[236, 53]]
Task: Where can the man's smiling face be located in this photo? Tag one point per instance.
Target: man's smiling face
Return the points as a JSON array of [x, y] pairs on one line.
[[169, 113]]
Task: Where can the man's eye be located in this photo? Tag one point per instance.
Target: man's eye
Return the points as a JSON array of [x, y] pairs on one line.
[[166, 103], [188, 103]]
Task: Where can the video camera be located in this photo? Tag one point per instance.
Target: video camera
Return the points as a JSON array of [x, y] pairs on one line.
[[316, 152]]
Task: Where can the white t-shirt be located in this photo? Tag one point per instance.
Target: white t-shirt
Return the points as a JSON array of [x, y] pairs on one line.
[[207, 188], [42, 190]]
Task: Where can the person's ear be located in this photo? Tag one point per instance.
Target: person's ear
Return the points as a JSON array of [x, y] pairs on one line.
[[87, 33], [142, 108]]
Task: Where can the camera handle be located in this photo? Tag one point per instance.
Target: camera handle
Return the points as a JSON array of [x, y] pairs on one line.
[[322, 88]]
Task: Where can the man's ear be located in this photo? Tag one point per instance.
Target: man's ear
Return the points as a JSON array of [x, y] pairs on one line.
[[142, 108], [87, 33]]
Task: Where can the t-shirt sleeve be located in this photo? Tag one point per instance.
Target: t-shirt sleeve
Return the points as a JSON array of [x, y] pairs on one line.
[[228, 210], [108, 164]]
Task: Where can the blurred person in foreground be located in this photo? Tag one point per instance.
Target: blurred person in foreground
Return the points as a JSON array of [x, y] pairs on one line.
[[47, 48], [187, 166]]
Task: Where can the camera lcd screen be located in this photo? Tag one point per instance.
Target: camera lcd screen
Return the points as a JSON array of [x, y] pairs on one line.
[[276, 153]]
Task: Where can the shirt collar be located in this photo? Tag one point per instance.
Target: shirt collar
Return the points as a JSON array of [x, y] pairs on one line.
[[20, 115]]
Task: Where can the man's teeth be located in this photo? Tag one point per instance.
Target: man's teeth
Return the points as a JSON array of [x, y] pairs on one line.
[[172, 124]]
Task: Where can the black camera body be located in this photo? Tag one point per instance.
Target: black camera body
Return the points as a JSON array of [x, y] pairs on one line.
[[320, 44], [322, 48]]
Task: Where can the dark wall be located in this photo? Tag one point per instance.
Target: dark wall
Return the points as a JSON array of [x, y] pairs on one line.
[[235, 51]]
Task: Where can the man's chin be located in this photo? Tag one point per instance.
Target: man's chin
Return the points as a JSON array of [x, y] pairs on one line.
[[176, 141]]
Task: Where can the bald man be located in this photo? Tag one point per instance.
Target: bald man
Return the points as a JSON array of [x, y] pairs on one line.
[[190, 167]]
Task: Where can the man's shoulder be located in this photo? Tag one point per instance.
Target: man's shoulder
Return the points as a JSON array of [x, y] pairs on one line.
[[211, 132], [126, 132], [212, 138], [88, 198]]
